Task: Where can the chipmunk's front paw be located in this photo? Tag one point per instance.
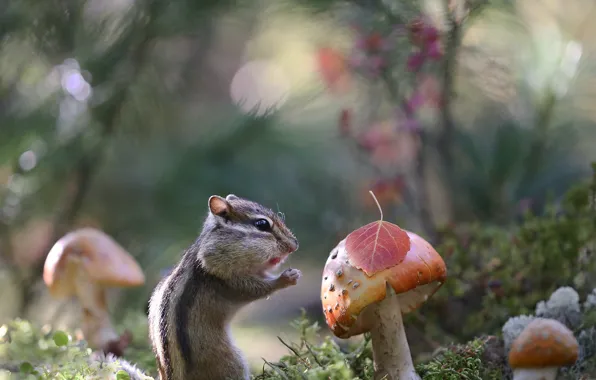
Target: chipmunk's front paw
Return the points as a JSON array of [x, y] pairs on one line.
[[289, 277]]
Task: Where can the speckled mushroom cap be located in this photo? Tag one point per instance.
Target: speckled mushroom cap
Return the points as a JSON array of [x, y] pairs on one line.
[[347, 291], [92, 251], [544, 343]]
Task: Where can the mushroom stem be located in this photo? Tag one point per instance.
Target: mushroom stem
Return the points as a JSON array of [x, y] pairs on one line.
[[97, 326], [547, 373], [391, 353]]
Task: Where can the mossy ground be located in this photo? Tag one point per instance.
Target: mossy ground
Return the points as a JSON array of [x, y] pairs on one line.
[[31, 352]]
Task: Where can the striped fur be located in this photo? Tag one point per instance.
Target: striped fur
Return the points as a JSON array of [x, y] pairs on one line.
[[225, 269]]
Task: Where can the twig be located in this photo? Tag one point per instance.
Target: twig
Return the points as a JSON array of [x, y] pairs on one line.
[[355, 355], [304, 361], [277, 370], [444, 145], [289, 347], [313, 354]]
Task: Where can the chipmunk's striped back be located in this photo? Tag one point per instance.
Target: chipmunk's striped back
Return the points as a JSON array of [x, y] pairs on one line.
[[174, 299], [223, 270]]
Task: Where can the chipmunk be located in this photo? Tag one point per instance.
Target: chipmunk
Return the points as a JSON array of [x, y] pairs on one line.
[[227, 267]]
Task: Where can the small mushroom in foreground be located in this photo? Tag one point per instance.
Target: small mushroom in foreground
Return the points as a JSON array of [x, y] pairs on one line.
[[541, 348], [82, 264], [375, 274]]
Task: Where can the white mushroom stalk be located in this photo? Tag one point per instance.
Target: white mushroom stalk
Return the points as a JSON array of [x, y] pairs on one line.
[[548, 373], [96, 325], [391, 352], [82, 264]]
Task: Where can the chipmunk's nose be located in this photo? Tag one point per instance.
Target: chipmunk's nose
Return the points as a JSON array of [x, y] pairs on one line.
[[293, 245]]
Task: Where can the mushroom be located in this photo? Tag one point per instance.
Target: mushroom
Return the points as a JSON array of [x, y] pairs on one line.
[[82, 264], [541, 348], [356, 302]]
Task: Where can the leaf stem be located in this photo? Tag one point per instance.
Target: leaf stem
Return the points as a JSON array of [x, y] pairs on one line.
[[377, 202]]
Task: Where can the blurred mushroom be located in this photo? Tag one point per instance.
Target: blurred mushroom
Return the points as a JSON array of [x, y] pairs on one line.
[[355, 302], [542, 347], [82, 264]]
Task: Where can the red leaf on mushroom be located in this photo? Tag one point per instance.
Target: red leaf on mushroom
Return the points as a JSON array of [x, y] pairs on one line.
[[377, 246]]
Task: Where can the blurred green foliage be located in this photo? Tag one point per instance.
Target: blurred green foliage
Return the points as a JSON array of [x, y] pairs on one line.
[[491, 179], [144, 155], [497, 272]]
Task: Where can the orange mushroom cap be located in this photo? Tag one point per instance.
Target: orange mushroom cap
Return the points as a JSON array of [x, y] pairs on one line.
[[544, 343], [347, 291], [102, 259]]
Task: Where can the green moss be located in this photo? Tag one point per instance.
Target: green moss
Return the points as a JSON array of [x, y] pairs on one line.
[[30, 352], [328, 361], [460, 362]]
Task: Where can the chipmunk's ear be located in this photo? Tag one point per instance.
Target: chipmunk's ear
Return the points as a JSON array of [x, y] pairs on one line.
[[218, 206], [231, 197]]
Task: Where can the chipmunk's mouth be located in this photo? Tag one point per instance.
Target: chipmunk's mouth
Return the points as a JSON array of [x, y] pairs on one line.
[[275, 261], [272, 264]]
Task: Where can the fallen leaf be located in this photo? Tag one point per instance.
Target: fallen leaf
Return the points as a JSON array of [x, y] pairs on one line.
[[377, 246]]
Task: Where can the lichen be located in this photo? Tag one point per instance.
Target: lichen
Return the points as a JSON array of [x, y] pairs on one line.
[[563, 306], [513, 327], [590, 302]]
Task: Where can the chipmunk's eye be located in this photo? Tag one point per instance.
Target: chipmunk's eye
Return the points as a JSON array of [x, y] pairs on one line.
[[262, 225]]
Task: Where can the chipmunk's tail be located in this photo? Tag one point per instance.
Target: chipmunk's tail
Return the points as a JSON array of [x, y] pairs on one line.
[[133, 371]]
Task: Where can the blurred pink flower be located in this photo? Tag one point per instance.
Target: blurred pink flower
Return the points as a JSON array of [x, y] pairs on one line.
[[426, 36], [400, 152], [415, 61], [387, 191], [375, 137], [374, 42], [411, 124], [376, 63], [429, 34], [415, 101], [357, 60], [434, 50], [415, 28], [360, 43], [430, 89]]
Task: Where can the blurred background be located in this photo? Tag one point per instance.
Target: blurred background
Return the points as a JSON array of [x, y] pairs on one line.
[[127, 115]]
